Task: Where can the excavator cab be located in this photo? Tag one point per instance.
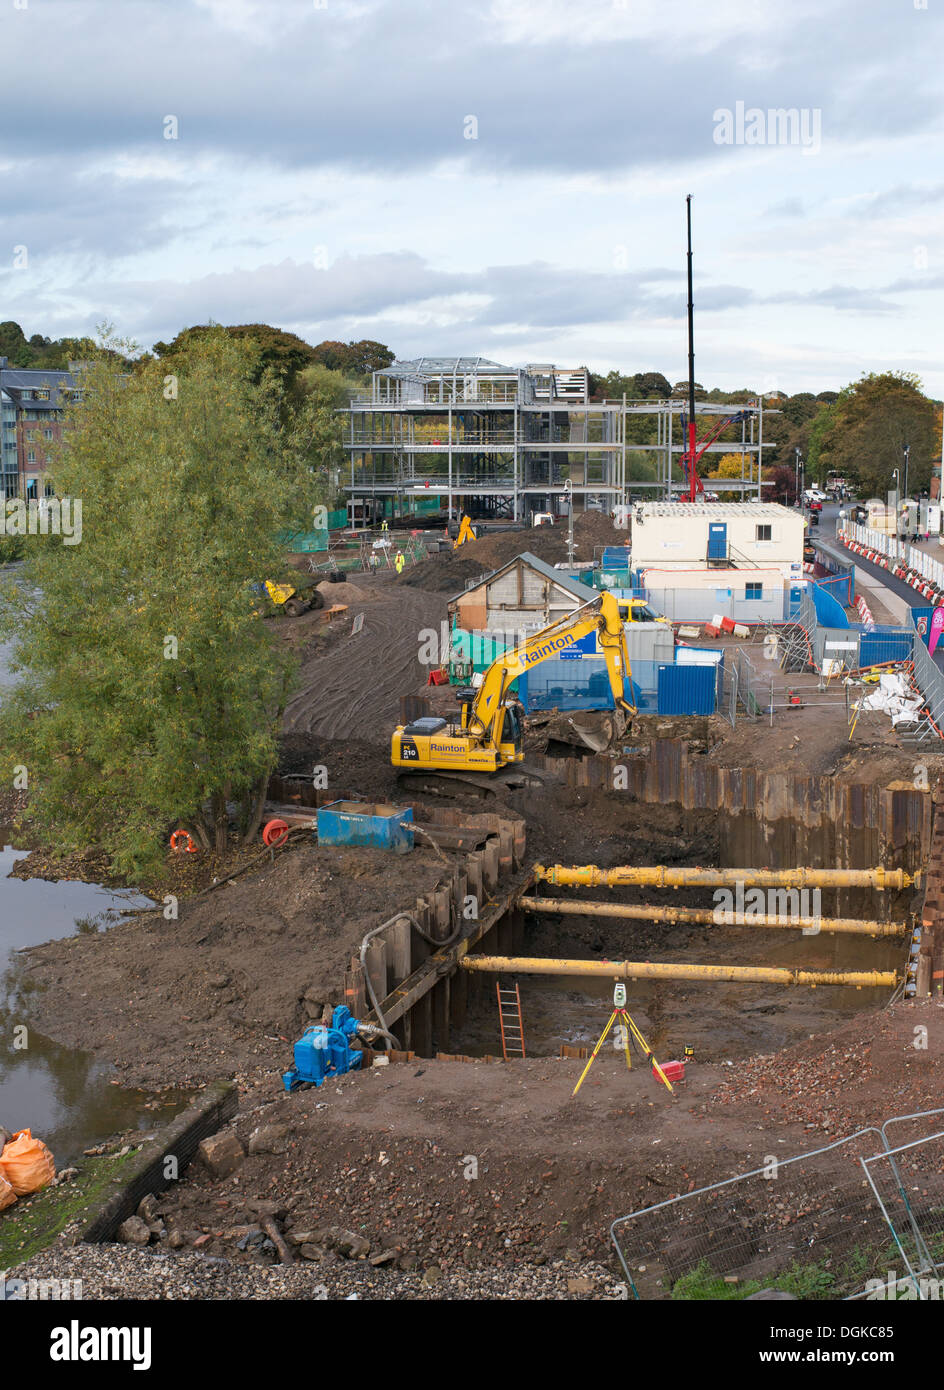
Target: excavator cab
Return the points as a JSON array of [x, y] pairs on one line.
[[511, 736]]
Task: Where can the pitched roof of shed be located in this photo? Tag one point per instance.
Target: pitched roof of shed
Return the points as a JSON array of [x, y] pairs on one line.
[[585, 592]]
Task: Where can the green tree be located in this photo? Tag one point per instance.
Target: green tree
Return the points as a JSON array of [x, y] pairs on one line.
[[333, 389], [273, 349], [652, 386], [149, 692], [12, 339], [359, 359], [865, 431]]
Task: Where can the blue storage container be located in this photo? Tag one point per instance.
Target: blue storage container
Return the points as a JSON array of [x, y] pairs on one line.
[[686, 690], [371, 826]]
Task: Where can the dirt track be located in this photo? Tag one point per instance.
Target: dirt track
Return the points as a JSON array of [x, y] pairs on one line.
[[351, 686]]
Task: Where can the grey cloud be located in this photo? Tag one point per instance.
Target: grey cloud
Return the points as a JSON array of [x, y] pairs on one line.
[[391, 91], [845, 297], [56, 210]]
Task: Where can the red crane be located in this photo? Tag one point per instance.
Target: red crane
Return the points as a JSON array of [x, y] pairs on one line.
[[696, 448]]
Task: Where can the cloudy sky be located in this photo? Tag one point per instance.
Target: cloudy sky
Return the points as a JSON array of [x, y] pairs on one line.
[[495, 177]]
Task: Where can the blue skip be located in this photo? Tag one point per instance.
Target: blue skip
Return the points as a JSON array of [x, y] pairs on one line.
[[323, 1052]]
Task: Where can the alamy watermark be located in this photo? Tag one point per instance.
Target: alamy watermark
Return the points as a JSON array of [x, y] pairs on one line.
[[50, 516], [38, 1290], [781, 125], [802, 906], [898, 1288]]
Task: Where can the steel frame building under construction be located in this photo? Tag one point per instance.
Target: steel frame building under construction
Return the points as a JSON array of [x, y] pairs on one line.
[[509, 441]]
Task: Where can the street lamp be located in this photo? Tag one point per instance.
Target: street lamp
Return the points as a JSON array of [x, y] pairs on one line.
[[796, 469], [907, 452], [897, 478]]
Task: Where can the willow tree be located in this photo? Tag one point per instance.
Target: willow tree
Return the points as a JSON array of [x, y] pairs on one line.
[[148, 692]]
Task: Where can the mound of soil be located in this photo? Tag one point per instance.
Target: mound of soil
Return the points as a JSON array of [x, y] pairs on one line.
[[449, 571], [343, 593], [230, 984], [872, 1067]]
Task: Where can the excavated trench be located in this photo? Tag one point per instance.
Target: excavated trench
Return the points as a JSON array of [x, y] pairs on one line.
[[776, 825]]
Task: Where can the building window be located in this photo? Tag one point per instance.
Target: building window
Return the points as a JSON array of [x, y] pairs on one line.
[[765, 533], [754, 591], [31, 456], [47, 434]]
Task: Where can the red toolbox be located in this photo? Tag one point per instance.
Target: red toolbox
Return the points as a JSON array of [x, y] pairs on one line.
[[673, 1071]]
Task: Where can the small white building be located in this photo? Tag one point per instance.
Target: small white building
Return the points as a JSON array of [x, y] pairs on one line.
[[697, 560], [718, 535]]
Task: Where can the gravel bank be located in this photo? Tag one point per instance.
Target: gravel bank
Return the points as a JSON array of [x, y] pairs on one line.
[[118, 1271]]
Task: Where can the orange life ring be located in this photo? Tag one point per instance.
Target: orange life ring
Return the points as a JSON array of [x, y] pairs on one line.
[[188, 846], [275, 832]]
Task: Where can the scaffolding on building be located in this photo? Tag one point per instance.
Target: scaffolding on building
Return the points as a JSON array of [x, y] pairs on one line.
[[511, 441]]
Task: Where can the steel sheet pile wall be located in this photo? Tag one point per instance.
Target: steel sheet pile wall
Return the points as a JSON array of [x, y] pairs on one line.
[[774, 819], [421, 995], [929, 975]]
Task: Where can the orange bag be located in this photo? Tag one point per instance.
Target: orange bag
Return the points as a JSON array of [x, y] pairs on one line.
[[7, 1195], [26, 1163]]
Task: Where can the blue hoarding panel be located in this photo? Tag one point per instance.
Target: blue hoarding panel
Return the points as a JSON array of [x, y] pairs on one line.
[[686, 690], [829, 612], [921, 617]]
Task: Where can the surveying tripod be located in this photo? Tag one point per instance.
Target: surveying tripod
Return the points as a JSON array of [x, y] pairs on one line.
[[630, 1033]]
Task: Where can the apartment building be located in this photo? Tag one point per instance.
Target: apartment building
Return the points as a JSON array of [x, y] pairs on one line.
[[32, 404]]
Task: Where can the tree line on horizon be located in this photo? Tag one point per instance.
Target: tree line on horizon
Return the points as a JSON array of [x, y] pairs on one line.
[[861, 431]]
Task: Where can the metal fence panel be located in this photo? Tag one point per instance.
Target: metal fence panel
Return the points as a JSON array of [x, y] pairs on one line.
[[808, 1224], [836, 643], [930, 681], [798, 1223], [882, 644], [908, 1182]]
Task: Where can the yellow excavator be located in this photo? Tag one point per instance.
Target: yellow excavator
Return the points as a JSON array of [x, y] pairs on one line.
[[487, 737]]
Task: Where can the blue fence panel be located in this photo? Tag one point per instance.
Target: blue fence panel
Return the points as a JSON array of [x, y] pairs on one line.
[[840, 586], [644, 685], [574, 685], [686, 690], [885, 644], [616, 557], [559, 684], [921, 618], [829, 611]]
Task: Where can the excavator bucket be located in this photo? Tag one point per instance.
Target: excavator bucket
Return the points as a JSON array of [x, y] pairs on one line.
[[597, 730]]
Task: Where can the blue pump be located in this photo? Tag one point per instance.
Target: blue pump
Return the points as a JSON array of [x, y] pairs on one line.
[[324, 1052]]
